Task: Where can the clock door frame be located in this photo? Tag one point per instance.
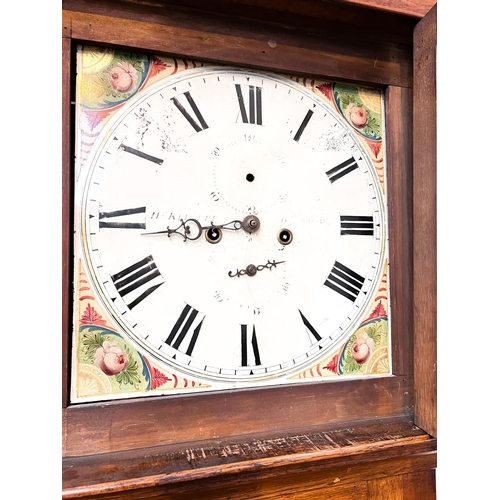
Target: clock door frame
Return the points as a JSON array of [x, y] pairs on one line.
[[396, 54]]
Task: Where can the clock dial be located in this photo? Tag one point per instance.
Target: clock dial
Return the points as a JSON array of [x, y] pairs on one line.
[[233, 225]]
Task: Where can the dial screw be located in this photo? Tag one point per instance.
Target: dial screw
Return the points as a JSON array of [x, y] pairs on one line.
[[250, 223], [251, 270]]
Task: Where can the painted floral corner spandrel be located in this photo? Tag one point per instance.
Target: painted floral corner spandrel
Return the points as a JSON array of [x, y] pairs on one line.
[[108, 366], [107, 79], [362, 110], [367, 350]]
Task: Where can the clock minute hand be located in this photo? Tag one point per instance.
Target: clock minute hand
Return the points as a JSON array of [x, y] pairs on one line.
[[250, 224]]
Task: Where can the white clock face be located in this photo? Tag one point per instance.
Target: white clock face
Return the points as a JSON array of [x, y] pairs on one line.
[[233, 225]]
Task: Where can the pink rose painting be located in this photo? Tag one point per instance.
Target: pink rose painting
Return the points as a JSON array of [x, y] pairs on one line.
[[356, 115], [111, 358], [123, 77], [362, 348]]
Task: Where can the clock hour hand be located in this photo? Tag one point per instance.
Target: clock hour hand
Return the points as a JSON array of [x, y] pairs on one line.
[[251, 269], [191, 229]]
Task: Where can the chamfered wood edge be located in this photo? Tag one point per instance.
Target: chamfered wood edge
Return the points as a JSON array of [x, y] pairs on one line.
[[425, 209], [321, 450], [417, 9]]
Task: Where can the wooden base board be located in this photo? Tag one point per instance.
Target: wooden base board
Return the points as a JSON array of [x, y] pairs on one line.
[[340, 460]]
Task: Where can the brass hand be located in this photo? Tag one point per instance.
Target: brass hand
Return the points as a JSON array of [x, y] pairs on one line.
[[251, 269], [250, 224]]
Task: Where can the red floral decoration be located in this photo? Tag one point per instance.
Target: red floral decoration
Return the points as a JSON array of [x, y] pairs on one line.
[[157, 378], [326, 90], [91, 317], [333, 365], [157, 66], [378, 312]]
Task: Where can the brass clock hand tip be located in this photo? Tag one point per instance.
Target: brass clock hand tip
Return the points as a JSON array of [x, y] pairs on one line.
[[185, 232]]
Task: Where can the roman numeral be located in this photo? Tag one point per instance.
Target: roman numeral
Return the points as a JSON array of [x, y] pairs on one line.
[[122, 224], [303, 125], [183, 327], [141, 154], [254, 104], [356, 225], [345, 281], [137, 277], [199, 125], [335, 173], [308, 325], [246, 344]]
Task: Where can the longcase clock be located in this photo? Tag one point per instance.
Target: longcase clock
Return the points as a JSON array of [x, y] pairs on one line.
[[240, 249]]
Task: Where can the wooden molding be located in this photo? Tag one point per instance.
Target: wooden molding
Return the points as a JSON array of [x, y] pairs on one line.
[[247, 44], [425, 252], [399, 157], [146, 422], [410, 7], [318, 459]]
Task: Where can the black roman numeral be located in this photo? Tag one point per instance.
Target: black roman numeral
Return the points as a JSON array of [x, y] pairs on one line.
[[122, 224], [303, 125], [254, 104], [199, 125], [246, 345], [137, 277], [356, 225], [141, 154], [335, 173], [182, 327], [308, 325], [345, 281]]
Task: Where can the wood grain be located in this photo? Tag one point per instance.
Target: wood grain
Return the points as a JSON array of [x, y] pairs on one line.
[[416, 8], [399, 160], [420, 485], [121, 425], [425, 237], [351, 18], [412, 486], [311, 462], [66, 215], [386, 487], [245, 43]]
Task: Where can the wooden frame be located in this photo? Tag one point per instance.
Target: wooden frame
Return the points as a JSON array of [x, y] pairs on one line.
[[118, 436]]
